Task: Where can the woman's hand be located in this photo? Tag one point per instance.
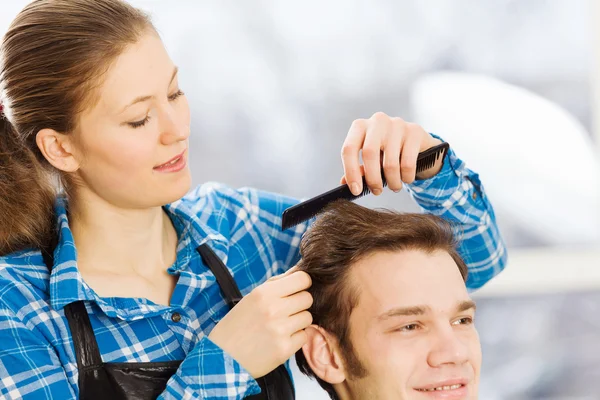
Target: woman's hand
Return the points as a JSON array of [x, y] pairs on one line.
[[267, 326], [386, 141]]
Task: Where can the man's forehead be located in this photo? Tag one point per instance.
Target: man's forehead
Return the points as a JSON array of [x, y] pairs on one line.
[[408, 278]]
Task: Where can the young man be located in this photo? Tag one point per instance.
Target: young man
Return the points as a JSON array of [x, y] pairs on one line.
[[392, 316]]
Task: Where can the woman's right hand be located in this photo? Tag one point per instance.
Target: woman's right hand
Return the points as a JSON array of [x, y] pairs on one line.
[[267, 326]]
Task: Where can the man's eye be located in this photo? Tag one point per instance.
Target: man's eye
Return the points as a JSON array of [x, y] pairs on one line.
[[409, 328], [464, 321]]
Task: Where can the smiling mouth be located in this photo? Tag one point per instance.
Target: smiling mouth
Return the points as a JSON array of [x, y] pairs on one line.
[[172, 162], [442, 388], [169, 163]]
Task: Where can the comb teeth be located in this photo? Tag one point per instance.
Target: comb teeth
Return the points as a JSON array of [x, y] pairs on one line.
[[310, 208], [428, 158], [427, 162], [288, 222]]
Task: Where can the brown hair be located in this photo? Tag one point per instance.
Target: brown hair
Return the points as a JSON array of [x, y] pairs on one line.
[[51, 59], [343, 235]]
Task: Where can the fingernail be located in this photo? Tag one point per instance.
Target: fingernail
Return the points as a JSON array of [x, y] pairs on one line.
[[354, 188], [396, 190], [376, 192]]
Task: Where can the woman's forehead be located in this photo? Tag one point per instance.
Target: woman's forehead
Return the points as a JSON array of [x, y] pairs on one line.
[[143, 69]]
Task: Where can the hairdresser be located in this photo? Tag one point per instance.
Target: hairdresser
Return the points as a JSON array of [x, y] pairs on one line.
[[120, 282]]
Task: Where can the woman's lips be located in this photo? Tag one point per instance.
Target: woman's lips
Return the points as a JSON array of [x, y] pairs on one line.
[[173, 165]]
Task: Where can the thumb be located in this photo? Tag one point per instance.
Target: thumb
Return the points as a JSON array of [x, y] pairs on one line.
[[286, 273]]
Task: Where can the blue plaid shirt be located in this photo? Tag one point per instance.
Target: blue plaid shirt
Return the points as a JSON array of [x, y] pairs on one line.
[[37, 359]]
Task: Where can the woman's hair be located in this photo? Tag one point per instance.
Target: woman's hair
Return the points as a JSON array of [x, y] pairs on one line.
[[52, 58]]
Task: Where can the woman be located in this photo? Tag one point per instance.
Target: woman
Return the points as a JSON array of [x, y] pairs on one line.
[[116, 287]]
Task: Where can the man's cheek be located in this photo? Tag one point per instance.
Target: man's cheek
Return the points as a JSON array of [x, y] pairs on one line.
[[393, 353], [475, 353]]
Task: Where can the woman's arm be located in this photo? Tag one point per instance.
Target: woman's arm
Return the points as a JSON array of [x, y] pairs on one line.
[[456, 194]]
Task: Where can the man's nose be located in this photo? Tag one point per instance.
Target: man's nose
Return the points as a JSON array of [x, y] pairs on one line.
[[447, 347]]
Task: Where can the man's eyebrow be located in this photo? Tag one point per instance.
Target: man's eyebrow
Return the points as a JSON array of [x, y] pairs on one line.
[[420, 310], [139, 99], [466, 305], [403, 311]]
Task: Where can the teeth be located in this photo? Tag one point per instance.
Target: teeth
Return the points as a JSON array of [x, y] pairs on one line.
[[453, 387], [171, 162]]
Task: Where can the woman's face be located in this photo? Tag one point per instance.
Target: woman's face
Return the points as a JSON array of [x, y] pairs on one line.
[[133, 143]]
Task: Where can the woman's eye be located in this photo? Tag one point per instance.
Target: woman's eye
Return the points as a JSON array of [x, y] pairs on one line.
[[175, 95], [138, 124]]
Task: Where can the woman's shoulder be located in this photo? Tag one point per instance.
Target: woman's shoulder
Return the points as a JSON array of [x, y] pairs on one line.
[[23, 274], [214, 193], [25, 301], [218, 195]]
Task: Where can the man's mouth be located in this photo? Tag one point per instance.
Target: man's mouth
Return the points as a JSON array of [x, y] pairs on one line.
[[455, 388], [441, 388]]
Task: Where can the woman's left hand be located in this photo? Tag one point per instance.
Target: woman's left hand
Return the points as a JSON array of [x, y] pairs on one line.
[[396, 141]]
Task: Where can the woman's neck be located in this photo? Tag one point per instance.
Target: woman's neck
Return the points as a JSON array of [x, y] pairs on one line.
[[114, 239]]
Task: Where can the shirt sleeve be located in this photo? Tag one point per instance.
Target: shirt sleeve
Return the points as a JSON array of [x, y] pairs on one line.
[[267, 209], [29, 367], [456, 194], [209, 373]]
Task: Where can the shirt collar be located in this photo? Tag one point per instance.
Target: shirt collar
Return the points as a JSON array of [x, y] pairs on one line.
[[66, 282]]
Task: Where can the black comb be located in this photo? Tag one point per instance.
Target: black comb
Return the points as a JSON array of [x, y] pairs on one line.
[[307, 209]]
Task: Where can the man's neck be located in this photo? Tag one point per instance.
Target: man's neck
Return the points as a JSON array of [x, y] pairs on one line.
[[113, 239]]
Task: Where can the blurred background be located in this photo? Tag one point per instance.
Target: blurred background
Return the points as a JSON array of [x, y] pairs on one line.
[[512, 85]]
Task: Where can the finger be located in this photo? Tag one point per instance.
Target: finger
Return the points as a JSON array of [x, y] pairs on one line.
[[290, 284], [350, 152], [298, 302], [298, 340], [286, 273], [391, 154], [409, 154], [362, 173], [299, 321], [371, 151]]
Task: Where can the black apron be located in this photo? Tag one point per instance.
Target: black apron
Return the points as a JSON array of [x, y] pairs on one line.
[[147, 380]]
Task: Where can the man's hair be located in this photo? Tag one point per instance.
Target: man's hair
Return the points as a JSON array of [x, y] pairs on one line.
[[345, 234]]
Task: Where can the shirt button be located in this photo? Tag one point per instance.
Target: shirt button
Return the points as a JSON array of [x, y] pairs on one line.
[[474, 196], [175, 317]]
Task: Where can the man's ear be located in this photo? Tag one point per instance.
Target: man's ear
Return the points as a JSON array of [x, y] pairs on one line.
[[58, 149], [323, 355]]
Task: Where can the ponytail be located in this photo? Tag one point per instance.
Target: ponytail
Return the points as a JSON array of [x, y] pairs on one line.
[[26, 195], [52, 57]]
